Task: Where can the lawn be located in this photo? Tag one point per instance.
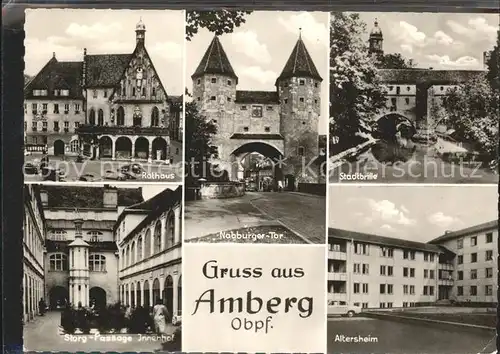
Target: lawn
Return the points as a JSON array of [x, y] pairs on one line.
[[479, 319]]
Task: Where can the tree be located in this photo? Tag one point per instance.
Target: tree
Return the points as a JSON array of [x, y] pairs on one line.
[[472, 112], [493, 64], [217, 22], [199, 134], [395, 61], [355, 92]]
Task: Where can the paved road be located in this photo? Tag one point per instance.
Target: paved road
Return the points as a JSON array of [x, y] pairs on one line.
[[396, 337], [155, 172], [421, 169], [302, 214], [42, 334]]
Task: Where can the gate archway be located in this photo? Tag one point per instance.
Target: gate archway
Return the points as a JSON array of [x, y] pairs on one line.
[[105, 147], [59, 147], [58, 297], [159, 149], [141, 148], [168, 294], [97, 295], [269, 156], [123, 148]]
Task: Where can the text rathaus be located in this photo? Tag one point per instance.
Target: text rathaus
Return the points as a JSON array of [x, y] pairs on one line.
[[108, 106]]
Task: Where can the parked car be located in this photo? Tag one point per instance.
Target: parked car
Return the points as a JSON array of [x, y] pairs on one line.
[[115, 175], [88, 177], [132, 171], [251, 186], [30, 168], [341, 308]]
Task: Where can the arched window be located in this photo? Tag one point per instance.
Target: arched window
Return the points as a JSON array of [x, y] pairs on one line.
[[127, 257], [147, 244], [157, 237], [170, 229], [155, 117], [123, 258], [58, 261], [100, 117], [139, 249], [120, 116], [132, 253], [92, 117], [97, 263]]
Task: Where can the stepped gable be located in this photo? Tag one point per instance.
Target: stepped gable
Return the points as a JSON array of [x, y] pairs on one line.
[[215, 61], [57, 75], [300, 64], [105, 70], [264, 97]]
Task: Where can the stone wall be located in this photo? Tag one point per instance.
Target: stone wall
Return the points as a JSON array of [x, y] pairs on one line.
[[216, 190]]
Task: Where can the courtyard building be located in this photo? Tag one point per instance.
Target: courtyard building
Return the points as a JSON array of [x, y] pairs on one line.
[[281, 125], [81, 259], [149, 238], [107, 106], [381, 272], [34, 231]]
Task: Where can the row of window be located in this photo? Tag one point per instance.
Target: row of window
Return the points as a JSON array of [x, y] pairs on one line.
[[488, 256], [488, 273], [214, 80], [56, 127], [488, 290], [387, 252], [256, 110], [58, 92], [388, 289], [59, 262], [62, 235], [43, 109], [130, 255], [31, 239], [135, 92], [488, 238]]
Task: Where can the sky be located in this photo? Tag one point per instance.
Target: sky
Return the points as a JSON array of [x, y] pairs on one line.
[[417, 213], [437, 40], [67, 31], [259, 49]]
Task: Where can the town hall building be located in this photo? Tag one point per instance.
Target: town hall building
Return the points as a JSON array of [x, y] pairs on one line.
[[108, 106], [281, 125]]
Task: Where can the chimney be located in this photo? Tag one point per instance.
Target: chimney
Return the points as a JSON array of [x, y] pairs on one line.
[[44, 197], [54, 55], [110, 197], [447, 232]]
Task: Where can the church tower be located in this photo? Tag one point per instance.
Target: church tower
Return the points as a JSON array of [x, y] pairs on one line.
[[214, 90], [299, 91], [140, 33], [376, 41], [79, 278]]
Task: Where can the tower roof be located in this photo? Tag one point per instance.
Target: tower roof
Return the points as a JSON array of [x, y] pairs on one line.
[[300, 63], [376, 31], [140, 26], [215, 61]]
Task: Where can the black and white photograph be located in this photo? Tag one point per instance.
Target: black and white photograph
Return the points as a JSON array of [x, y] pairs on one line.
[[102, 267], [412, 269], [256, 124], [103, 95], [413, 98]]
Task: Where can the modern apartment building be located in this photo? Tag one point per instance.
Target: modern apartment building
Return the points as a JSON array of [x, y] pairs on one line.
[[381, 272], [472, 257]]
